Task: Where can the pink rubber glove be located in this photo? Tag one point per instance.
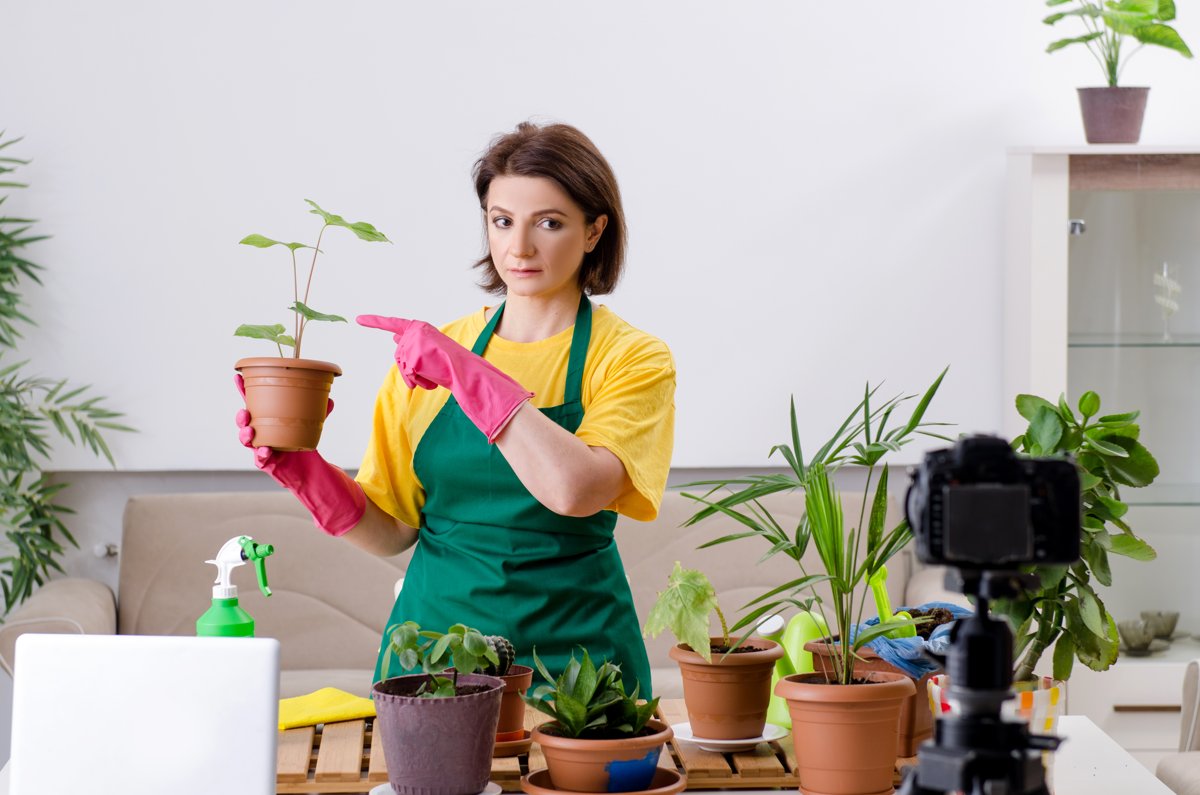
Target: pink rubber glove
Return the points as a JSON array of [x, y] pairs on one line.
[[428, 358], [335, 501]]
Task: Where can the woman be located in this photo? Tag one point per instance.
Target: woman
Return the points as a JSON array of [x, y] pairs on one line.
[[505, 443]]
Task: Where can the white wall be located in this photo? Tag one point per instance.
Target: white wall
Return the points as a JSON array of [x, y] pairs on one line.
[[813, 201], [814, 197]]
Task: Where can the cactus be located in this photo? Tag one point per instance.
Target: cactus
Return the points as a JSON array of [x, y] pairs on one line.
[[504, 650]]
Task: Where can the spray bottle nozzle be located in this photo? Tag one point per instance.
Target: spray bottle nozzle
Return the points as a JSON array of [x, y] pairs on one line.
[[235, 552], [257, 554]]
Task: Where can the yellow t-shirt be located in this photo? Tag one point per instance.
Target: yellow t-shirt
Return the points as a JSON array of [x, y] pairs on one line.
[[628, 402]]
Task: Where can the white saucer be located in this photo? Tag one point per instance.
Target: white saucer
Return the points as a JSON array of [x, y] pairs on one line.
[[386, 789], [683, 731]]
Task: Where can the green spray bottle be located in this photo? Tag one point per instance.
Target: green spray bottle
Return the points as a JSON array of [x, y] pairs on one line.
[[226, 619]]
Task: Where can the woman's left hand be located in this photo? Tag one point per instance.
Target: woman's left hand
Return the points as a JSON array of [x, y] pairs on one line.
[[427, 358]]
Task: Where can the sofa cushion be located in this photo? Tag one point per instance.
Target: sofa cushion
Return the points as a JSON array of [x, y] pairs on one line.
[[1180, 772]]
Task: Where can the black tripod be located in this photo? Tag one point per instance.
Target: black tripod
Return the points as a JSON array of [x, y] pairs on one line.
[[975, 752]]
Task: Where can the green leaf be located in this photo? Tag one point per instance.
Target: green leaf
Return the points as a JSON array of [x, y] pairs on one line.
[[1118, 420], [1064, 656], [1097, 560], [1132, 547], [361, 229], [1166, 10], [1162, 36], [312, 314], [258, 241], [1028, 405], [1089, 404], [1106, 448], [1138, 468], [1046, 428], [684, 608], [1090, 611], [1058, 45]]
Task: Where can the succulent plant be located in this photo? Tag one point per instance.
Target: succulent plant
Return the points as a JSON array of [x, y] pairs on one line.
[[504, 651]]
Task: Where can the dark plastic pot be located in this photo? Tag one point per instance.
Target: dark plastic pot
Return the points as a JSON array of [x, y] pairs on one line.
[[1113, 114], [437, 746]]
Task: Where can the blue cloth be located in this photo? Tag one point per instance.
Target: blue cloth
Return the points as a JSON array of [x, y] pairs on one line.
[[908, 654]]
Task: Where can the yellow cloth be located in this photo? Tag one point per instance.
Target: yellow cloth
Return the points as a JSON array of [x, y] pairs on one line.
[[327, 705], [628, 401]]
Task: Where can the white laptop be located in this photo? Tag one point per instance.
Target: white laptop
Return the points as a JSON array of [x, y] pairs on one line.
[[144, 715]]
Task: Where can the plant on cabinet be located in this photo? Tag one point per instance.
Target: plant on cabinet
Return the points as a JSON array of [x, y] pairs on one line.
[[1113, 113], [288, 396], [726, 686]]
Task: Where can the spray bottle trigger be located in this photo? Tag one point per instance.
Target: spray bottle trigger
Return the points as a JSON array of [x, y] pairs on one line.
[[257, 554]]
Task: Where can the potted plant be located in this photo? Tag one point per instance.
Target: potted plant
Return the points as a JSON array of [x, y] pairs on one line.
[[1113, 113], [844, 721], [31, 513], [1066, 612], [287, 396], [511, 735], [726, 695], [438, 732], [600, 739]]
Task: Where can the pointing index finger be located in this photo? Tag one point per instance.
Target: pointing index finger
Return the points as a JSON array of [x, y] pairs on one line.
[[395, 325]]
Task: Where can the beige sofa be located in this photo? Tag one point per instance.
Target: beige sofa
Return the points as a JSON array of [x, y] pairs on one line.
[[331, 600]]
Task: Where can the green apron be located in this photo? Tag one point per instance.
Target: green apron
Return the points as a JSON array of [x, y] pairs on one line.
[[490, 556]]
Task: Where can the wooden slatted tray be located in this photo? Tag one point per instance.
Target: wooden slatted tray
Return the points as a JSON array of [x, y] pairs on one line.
[[340, 758]]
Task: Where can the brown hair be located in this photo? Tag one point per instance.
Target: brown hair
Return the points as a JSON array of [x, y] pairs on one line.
[[564, 154]]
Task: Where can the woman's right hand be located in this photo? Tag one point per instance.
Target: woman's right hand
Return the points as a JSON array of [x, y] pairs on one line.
[[335, 501]]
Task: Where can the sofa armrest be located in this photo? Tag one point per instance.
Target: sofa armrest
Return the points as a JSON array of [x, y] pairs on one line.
[[66, 606], [928, 584]]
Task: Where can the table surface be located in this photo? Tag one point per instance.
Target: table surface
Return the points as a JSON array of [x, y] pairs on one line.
[[1088, 763]]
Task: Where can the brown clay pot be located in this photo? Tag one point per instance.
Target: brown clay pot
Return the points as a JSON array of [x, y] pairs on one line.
[[1113, 114], [626, 765], [287, 399], [512, 708], [845, 735], [437, 746], [727, 699], [916, 720]]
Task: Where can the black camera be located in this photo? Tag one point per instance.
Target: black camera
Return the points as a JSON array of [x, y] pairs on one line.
[[978, 505]]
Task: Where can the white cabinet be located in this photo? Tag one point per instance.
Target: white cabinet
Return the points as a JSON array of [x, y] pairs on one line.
[[1089, 229], [1137, 701]]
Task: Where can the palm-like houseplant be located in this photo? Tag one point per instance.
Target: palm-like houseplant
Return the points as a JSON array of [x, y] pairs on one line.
[[848, 558], [30, 512]]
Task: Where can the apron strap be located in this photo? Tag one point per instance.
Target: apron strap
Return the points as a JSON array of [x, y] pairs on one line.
[[579, 346], [580, 337]]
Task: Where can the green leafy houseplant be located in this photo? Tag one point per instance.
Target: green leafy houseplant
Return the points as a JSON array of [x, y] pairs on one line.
[[849, 556], [276, 332], [684, 608], [587, 702], [30, 513], [1066, 611], [1110, 24], [463, 647]]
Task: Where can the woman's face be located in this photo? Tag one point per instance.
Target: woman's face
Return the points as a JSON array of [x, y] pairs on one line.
[[537, 235]]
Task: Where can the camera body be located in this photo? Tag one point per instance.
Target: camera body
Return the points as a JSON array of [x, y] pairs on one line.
[[978, 505]]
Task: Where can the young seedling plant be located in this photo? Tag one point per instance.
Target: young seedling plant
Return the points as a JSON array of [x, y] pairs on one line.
[[463, 647], [276, 332], [684, 608], [588, 702]]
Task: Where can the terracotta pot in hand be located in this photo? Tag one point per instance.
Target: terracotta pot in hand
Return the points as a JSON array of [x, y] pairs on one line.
[[624, 765], [727, 699], [845, 735], [288, 399]]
